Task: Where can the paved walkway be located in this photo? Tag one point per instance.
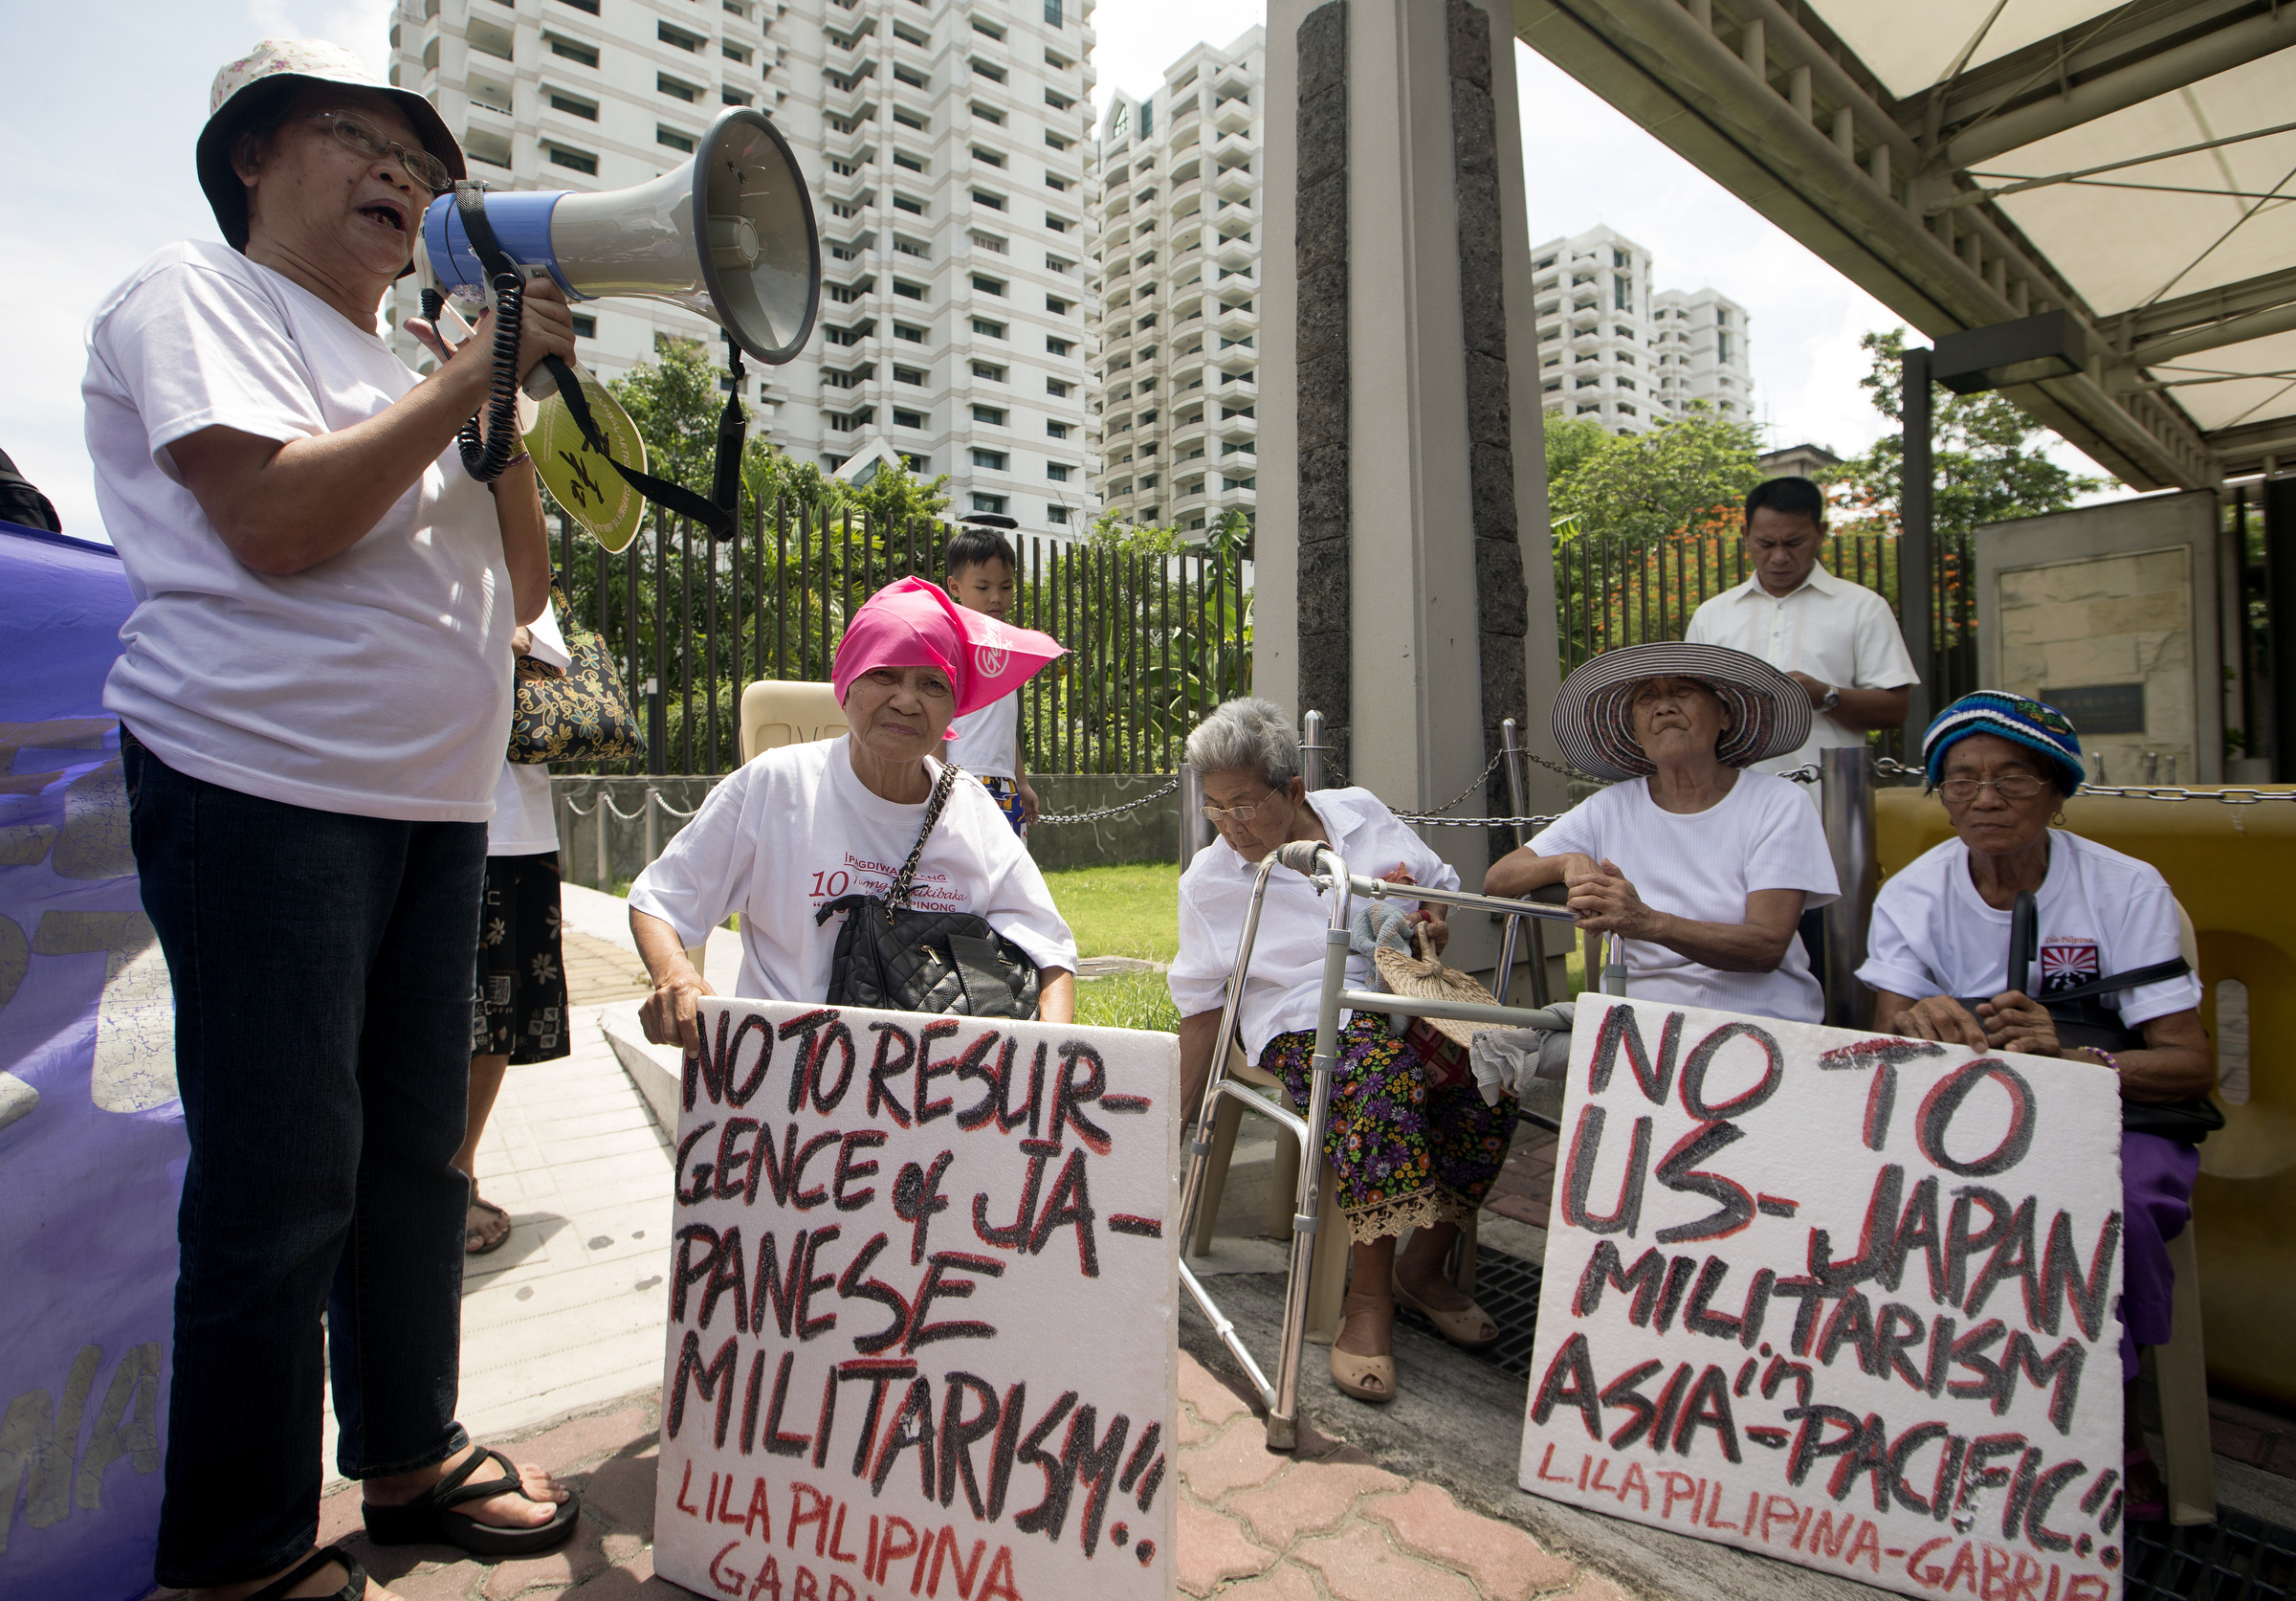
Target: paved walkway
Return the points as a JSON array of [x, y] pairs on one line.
[[1320, 1524], [567, 1322]]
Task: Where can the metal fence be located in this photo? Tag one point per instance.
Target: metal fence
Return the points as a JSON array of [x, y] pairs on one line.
[[1611, 591], [1157, 640]]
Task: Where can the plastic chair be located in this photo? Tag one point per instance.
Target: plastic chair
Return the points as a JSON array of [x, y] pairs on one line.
[[777, 712], [1327, 1295]]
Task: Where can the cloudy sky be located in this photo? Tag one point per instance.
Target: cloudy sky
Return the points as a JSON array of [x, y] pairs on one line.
[[109, 118]]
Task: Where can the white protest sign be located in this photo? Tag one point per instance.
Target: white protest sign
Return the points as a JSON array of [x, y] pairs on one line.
[[923, 1321], [1844, 1299]]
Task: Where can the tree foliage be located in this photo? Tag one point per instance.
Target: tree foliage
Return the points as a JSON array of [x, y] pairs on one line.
[[1985, 454], [1570, 441], [1646, 486]]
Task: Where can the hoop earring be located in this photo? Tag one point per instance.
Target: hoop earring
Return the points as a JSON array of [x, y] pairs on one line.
[[2058, 821]]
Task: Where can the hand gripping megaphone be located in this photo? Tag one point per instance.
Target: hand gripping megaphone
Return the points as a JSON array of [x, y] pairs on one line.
[[729, 234]]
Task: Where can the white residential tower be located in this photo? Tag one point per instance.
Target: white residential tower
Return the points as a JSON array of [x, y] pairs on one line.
[[945, 142], [1176, 198], [1613, 347]]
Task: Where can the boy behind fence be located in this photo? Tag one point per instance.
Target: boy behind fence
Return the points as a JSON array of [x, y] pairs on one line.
[[979, 571]]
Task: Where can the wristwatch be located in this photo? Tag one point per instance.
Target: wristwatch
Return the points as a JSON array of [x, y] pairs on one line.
[[1831, 699]]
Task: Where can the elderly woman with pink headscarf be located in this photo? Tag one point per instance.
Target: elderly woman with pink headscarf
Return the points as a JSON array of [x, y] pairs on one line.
[[805, 825]]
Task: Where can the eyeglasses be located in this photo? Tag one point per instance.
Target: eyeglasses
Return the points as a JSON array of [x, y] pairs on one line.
[[363, 137], [1216, 815], [2013, 787]]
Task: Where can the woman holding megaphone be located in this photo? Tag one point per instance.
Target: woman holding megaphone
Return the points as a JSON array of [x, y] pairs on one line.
[[314, 693]]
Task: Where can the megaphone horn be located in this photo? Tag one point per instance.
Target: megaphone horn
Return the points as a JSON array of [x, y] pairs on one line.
[[729, 234]]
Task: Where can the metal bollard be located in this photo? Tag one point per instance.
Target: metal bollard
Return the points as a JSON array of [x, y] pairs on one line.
[[652, 805], [1195, 834], [1518, 802], [600, 810], [1311, 750], [1846, 801]]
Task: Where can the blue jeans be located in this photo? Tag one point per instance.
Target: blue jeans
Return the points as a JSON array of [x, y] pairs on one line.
[[322, 966]]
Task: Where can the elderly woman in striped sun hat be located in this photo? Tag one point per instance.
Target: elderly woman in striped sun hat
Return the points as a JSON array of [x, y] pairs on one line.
[[1939, 962], [1701, 867]]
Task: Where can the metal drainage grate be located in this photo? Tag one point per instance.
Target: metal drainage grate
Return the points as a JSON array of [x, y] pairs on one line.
[[2237, 1558], [1507, 1287]]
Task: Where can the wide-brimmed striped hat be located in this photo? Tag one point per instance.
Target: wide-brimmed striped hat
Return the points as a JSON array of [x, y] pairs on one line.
[[1594, 724], [2037, 725]]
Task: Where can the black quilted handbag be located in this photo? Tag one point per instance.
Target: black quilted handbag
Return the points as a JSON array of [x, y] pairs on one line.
[[581, 715], [892, 957]]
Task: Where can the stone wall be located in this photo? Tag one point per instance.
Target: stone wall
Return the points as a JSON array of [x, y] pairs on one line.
[[2102, 607]]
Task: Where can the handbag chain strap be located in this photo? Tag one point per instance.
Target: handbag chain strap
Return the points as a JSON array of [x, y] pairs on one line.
[[898, 894]]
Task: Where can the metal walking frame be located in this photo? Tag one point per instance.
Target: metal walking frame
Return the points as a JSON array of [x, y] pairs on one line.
[[1325, 868]]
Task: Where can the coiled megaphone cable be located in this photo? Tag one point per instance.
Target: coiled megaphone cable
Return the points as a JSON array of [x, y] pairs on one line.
[[486, 458]]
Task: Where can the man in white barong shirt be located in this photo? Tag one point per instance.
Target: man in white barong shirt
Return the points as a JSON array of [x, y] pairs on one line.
[[1837, 639]]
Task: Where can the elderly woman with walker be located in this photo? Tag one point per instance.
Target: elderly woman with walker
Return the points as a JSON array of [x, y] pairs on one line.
[[314, 693], [2015, 935], [1408, 1158]]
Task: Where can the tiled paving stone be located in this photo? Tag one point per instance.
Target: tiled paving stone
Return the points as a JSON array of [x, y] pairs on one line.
[[1526, 1180], [598, 972], [1316, 1524]]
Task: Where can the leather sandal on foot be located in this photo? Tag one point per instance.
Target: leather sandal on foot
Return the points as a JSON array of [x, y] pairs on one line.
[[430, 1519], [1466, 1327], [475, 1241], [1367, 1378], [354, 1584]]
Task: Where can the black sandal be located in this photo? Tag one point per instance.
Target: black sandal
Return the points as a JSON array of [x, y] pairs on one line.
[[476, 1244], [428, 1520], [354, 1587]]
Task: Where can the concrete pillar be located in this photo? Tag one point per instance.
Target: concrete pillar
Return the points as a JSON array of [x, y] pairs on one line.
[[1406, 585]]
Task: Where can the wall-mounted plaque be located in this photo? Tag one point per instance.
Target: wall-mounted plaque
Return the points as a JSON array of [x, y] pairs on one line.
[[2101, 708]]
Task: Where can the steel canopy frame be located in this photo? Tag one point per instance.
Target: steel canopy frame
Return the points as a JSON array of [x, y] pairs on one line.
[[1772, 105]]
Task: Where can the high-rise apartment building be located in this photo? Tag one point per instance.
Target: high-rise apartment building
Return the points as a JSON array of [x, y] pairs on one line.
[[1613, 347], [945, 142], [1177, 197]]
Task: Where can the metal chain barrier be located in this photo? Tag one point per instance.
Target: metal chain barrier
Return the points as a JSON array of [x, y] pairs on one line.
[[1432, 821], [1044, 819]]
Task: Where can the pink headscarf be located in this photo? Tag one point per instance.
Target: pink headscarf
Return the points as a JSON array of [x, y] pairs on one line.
[[914, 623]]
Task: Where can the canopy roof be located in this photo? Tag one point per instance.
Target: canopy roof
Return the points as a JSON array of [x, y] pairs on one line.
[[1971, 161]]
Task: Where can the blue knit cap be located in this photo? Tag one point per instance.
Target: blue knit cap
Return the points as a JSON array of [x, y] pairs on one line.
[[2036, 727]]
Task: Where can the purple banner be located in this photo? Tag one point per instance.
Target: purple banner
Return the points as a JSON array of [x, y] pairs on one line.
[[90, 1132]]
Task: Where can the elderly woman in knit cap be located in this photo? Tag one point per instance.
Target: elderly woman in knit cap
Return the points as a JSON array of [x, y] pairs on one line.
[[805, 825], [2109, 984]]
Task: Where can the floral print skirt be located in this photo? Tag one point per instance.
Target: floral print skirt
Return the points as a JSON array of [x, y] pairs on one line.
[[1405, 1156], [519, 1009]]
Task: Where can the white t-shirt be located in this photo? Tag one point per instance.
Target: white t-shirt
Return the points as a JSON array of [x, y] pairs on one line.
[[2101, 912], [1286, 981], [524, 823], [375, 683], [985, 742], [796, 827], [1839, 633], [1702, 865]]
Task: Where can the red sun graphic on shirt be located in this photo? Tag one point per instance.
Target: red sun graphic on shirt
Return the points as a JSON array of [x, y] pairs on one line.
[[2066, 963]]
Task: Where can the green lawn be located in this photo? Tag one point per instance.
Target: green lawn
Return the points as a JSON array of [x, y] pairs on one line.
[[1131, 910], [1123, 911]]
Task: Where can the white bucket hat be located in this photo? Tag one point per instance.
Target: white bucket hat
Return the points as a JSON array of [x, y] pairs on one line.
[[261, 81]]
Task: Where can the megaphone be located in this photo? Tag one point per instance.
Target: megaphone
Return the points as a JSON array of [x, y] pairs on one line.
[[729, 234]]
